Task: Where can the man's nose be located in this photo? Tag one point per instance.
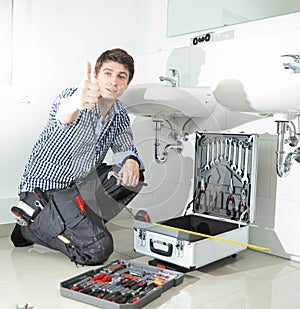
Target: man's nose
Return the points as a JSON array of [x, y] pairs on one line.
[[113, 80]]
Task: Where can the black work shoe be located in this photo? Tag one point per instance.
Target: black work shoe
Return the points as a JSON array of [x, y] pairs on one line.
[[17, 238]]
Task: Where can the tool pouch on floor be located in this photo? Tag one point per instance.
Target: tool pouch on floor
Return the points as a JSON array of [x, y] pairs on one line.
[[62, 226]]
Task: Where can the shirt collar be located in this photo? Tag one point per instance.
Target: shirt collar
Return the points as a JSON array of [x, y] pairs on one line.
[[115, 109], [116, 106]]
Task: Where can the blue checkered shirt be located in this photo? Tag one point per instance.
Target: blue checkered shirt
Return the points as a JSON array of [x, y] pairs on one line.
[[66, 153]]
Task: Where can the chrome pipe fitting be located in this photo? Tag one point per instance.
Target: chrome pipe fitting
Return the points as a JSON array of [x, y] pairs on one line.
[[284, 163], [162, 158]]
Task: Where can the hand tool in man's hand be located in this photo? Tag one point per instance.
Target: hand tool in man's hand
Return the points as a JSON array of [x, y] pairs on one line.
[[114, 174]]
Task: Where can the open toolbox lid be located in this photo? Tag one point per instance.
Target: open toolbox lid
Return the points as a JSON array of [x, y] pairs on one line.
[[225, 172], [225, 175]]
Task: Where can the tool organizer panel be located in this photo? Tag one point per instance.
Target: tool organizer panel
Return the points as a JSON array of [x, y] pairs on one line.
[[225, 175], [223, 205], [120, 284]]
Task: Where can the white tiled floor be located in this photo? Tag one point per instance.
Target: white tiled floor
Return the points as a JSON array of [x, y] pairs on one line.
[[253, 280]]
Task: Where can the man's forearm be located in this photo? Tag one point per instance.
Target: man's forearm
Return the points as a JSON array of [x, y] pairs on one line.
[[67, 111]]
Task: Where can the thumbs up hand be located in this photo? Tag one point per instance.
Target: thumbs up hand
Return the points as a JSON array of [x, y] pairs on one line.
[[88, 92], [86, 96]]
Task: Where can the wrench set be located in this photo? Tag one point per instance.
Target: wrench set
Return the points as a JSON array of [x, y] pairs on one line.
[[120, 284], [224, 174]]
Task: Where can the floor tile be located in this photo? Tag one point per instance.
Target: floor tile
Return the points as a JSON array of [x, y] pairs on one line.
[[252, 280]]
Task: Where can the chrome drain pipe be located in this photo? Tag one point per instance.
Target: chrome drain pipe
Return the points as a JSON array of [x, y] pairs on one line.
[[284, 163], [162, 158]]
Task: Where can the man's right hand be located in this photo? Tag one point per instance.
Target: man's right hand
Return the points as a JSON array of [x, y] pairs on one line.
[[88, 92], [86, 96]]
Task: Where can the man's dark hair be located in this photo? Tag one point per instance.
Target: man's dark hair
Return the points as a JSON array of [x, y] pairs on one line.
[[116, 55]]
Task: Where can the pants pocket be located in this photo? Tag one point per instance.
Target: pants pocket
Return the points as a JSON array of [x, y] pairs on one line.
[[48, 221]]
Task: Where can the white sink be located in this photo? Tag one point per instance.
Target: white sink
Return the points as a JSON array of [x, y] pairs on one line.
[[161, 101], [261, 94]]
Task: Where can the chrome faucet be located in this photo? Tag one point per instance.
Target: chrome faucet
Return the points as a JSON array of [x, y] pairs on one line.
[[173, 79], [295, 66]]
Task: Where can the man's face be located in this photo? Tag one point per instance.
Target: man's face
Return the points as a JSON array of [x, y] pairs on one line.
[[113, 79]]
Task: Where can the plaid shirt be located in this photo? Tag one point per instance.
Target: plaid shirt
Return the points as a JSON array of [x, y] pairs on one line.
[[65, 153]]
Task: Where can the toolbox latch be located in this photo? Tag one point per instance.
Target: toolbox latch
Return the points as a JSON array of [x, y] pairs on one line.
[[142, 238], [179, 248]]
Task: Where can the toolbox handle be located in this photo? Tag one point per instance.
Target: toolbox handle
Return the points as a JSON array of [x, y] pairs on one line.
[[159, 251]]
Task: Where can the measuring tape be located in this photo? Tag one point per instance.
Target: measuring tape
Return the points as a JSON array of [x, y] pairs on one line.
[[213, 237]]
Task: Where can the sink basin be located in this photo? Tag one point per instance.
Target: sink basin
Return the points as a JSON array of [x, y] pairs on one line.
[[161, 101], [266, 94]]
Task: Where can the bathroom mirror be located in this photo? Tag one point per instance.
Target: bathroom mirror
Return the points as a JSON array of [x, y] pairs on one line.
[[198, 15]]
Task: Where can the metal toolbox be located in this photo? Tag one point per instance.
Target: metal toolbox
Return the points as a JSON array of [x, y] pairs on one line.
[[215, 224], [120, 284]]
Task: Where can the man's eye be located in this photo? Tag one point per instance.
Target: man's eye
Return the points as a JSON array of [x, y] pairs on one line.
[[122, 76]]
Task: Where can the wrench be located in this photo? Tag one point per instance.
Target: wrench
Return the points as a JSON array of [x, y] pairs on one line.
[[233, 165], [225, 148], [114, 174], [245, 174], [218, 151], [207, 167], [229, 150], [238, 170], [212, 162], [221, 149]]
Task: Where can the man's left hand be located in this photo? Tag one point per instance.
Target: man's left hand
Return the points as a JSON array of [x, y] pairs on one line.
[[129, 174]]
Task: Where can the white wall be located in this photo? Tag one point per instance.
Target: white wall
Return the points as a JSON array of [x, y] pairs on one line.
[[255, 51], [61, 36]]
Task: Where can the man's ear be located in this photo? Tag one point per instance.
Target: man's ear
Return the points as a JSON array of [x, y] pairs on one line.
[[95, 75]]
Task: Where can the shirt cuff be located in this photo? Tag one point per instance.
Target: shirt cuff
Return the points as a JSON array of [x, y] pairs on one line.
[[121, 156], [63, 126]]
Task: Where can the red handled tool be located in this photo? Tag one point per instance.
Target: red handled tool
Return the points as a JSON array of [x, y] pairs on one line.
[[80, 203], [148, 288]]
